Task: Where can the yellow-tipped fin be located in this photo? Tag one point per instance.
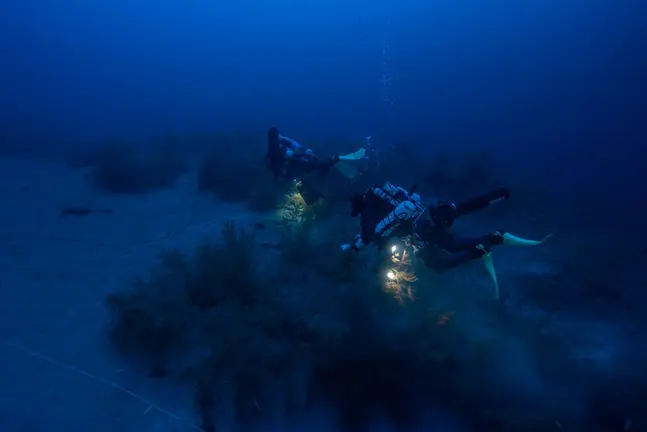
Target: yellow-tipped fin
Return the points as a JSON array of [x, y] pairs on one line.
[[350, 165], [348, 170], [359, 154], [512, 240], [489, 266], [488, 263]]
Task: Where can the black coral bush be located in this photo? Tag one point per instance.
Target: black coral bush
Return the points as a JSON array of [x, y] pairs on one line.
[[211, 317], [267, 333]]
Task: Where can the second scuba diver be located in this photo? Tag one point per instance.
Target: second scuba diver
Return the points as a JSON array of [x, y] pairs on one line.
[[287, 158], [389, 211]]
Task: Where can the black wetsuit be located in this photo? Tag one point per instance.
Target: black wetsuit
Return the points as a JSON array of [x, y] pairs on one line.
[[301, 164], [439, 249], [443, 250]]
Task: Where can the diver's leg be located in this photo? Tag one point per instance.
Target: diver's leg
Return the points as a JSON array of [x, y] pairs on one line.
[[440, 261], [323, 166]]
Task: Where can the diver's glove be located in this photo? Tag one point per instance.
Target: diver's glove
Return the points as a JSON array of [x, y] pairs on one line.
[[346, 247]]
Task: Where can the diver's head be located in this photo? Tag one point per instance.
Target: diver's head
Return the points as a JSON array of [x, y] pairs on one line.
[[443, 214], [272, 136]]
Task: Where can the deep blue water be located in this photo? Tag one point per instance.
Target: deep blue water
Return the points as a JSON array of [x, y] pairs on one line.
[[556, 90]]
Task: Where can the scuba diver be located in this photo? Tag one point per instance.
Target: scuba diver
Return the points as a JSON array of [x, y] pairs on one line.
[[286, 157], [389, 211]]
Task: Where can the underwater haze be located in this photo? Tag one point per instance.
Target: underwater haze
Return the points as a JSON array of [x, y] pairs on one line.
[[458, 70], [130, 129]]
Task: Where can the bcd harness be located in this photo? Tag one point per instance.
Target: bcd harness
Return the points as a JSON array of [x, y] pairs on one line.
[[407, 207]]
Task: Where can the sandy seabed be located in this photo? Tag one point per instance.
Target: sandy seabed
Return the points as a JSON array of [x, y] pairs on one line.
[[57, 370]]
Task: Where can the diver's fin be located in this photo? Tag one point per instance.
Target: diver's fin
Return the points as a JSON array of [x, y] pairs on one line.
[[512, 240], [489, 266], [348, 170], [351, 165], [359, 154]]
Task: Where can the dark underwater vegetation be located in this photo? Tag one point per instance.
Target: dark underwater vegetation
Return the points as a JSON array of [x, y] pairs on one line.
[[157, 277]]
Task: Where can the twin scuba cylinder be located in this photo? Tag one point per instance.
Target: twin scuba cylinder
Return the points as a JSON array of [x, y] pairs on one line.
[[407, 207]]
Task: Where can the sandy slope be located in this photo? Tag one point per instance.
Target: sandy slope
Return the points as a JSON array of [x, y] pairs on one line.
[[57, 372], [54, 273]]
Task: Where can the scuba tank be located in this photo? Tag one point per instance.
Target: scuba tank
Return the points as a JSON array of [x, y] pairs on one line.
[[407, 207]]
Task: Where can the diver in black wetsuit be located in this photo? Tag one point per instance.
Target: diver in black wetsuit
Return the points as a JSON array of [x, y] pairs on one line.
[[286, 158], [443, 250], [389, 212]]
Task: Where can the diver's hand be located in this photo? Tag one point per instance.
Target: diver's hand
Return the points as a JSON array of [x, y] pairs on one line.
[[346, 247]]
